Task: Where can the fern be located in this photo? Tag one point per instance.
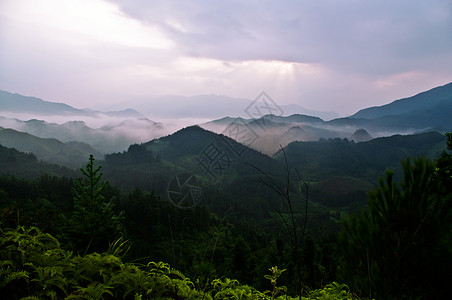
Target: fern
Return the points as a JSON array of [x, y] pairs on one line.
[[6, 276], [94, 290], [32, 265]]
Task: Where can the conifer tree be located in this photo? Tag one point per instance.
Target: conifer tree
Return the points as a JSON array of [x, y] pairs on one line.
[[401, 246], [94, 223]]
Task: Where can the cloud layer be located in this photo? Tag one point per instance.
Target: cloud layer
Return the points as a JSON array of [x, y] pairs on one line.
[[324, 55]]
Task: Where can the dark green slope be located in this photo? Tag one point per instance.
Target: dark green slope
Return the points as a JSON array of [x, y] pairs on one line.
[[72, 155], [366, 160], [191, 145], [24, 165], [227, 181], [342, 172]]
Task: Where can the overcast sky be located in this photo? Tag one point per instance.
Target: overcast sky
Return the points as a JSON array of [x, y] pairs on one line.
[[327, 55]]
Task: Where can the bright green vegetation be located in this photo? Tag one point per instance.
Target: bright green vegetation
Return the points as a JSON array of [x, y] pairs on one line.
[[33, 266], [99, 239]]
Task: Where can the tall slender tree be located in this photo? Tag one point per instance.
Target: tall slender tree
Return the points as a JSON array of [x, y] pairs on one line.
[[94, 223]]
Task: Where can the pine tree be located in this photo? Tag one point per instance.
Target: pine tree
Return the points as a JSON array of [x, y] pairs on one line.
[[94, 223], [400, 247]]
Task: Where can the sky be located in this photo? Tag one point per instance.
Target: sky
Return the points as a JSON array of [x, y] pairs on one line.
[[324, 55]]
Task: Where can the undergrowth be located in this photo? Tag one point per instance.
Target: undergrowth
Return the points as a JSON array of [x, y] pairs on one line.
[[34, 266]]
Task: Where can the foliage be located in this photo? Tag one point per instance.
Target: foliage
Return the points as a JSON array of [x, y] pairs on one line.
[[400, 247], [236, 232], [33, 266], [94, 223], [275, 273], [26, 165], [365, 161]]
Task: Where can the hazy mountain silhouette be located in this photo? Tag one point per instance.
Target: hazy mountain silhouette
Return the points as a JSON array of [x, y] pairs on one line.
[[15, 103], [429, 110], [434, 99], [31, 105], [361, 135], [208, 107], [106, 139]]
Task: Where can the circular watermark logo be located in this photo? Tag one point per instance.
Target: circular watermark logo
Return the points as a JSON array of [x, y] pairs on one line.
[[182, 192]]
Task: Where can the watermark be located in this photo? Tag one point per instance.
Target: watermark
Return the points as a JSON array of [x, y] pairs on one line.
[[263, 106], [221, 153], [240, 132], [238, 136], [214, 160], [182, 191]]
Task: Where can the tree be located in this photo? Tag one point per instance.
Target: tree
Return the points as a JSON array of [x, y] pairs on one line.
[[288, 215], [401, 246], [94, 223]]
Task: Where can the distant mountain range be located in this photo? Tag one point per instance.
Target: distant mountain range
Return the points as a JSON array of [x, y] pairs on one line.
[[15, 103], [340, 172], [106, 139], [31, 105], [434, 100], [427, 111], [210, 107]]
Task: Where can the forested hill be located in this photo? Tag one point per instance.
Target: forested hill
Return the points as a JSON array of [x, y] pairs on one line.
[[190, 145], [26, 165], [222, 168], [71, 154], [365, 160]]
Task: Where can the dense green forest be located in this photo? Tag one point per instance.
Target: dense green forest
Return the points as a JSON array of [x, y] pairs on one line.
[[261, 213]]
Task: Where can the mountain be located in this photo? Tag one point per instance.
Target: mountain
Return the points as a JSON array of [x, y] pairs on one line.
[[111, 138], [26, 165], [361, 135], [127, 113], [31, 105], [72, 155], [435, 99], [294, 109], [365, 160], [341, 172], [221, 168], [269, 132], [18, 104], [210, 107], [429, 110], [193, 147]]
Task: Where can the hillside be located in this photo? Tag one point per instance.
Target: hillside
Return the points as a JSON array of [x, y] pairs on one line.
[[26, 165], [221, 168], [366, 160], [31, 105], [434, 99], [429, 110], [106, 139], [72, 155]]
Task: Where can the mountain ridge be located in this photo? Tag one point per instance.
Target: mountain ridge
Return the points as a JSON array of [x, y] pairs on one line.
[[439, 95]]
